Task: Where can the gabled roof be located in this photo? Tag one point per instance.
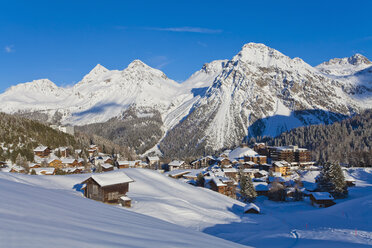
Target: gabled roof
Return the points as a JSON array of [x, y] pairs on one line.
[[176, 163], [46, 170], [68, 160], [107, 179], [40, 148], [322, 196], [251, 206], [153, 158], [107, 166]]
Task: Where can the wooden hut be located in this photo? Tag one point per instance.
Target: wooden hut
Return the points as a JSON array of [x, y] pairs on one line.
[[107, 187], [322, 199]]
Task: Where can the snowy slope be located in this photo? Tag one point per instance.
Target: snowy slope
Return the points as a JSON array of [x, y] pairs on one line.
[[290, 224], [345, 66], [43, 216]]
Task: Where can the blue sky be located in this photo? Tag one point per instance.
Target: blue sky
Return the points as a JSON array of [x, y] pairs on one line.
[[64, 40]]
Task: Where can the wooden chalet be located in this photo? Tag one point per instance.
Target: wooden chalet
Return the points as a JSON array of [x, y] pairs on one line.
[[107, 167], [45, 171], [231, 173], [123, 164], [223, 161], [177, 174], [107, 187], [70, 162], [176, 164], [322, 199], [42, 151], [257, 159], [34, 165], [262, 188], [55, 162], [153, 162], [223, 185]]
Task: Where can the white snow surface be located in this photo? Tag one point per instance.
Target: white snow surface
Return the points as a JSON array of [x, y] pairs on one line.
[[44, 211]]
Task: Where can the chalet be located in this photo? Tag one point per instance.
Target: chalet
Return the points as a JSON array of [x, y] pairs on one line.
[[322, 199], [223, 185], [250, 172], [125, 201], [251, 209], [231, 173], [107, 187], [153, 162], [123, 164], [17, 169], [193, 175], [65, 151], [176, 164], [223, 161], [42, 151], [262, 188], [107, 167], [282, 167], [70, 162], [45, 171], [54, 162]]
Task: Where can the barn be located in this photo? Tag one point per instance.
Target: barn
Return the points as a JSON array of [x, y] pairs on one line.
[[107, 187]]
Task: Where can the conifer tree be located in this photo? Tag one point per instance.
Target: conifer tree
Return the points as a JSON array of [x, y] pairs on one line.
[[247, 190], [200, 180], [332, 179]]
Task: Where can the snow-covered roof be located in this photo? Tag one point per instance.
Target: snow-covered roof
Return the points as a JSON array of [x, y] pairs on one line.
[[68, 160], [46, 170], [106, 179], [52, 159], [261, 186], [322, 196], [40, 148], [106, 166], [217, 181], [153, 158], [125, 198], [177, 173], [176, 163], [251, 206], [281, 163], [240, 152], [230, 170]]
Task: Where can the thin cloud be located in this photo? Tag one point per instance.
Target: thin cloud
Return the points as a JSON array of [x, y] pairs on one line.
[[9, 49], [188, 30], [158, 62]]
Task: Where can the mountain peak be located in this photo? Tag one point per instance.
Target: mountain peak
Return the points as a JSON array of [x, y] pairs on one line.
[[99, 69], [358, 59], [138, 64]]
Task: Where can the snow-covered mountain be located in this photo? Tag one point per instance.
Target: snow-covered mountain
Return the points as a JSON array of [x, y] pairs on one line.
[[345, 66], [260, 91]]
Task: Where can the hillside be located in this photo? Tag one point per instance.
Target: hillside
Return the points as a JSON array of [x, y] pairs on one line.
[[290, 224], [348, 141], [19, 135]]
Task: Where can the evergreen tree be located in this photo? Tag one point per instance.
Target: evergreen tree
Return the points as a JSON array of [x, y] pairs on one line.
[[33, 172], [332, 179], [200, 180], [247, 190]]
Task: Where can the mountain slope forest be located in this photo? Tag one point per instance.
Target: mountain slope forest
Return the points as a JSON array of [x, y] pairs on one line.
[[348, 141], [19, 135]]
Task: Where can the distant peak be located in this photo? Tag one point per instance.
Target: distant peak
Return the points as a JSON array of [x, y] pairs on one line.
[[99, 69], [138, 64], [358, 59]]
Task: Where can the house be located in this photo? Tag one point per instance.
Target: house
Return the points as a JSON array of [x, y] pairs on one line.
[[176, 164], [262, 188], [107, 167], [125, 201], [223, 161], [65, 151], [123, 164], [231, 173], [107, 187], [17, 169], [223, 185], [70, 162], [251, 209], [73, 170], [54, 162], [322, 199], [45, 171], [42, 151], [282, 167], [153, 162]]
